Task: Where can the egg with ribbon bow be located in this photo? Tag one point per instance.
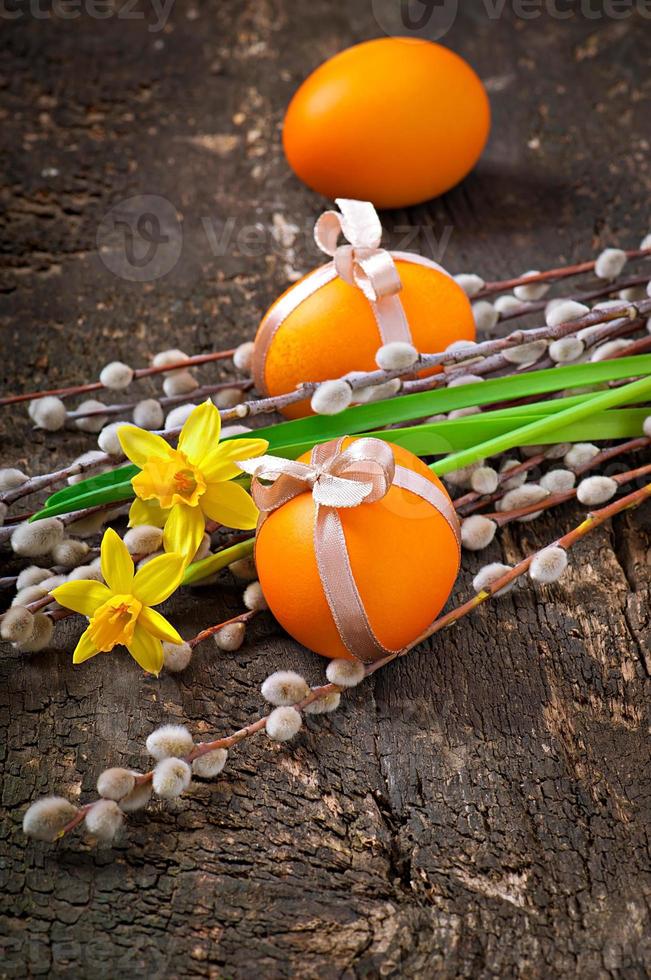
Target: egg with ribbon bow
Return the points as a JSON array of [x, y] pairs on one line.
[[333, 320], [357, 549], [394, 120]]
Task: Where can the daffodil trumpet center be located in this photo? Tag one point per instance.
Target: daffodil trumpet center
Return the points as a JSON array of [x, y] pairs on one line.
[[170, 480], [114, 622]]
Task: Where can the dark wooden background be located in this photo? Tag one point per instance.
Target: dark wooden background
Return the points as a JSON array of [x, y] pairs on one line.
[[480, 809]]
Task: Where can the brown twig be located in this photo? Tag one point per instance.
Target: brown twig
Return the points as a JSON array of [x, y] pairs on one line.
[[553, 275], [193, 361]]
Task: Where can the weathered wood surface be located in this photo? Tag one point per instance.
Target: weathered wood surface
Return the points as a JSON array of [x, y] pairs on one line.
[[480, 809]]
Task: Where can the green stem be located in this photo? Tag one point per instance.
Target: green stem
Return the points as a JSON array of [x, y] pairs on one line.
[[531, 433], [200, 570]]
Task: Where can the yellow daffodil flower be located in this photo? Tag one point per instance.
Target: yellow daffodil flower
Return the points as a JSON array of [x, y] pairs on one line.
[[120, 611], [178, 489]]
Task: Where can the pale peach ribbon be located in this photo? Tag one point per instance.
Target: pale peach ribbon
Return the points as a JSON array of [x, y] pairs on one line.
[[361, 262], [362, 473]]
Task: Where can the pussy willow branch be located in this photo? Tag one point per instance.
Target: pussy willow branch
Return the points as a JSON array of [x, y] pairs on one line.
[[582, 296], [472, 502], [502, 518], [361, 379], [166, 401], [566, 541], [554, 275], [193, 361]]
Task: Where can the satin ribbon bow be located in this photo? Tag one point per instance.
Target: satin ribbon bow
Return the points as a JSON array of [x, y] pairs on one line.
[[362, 262], [360, 474]]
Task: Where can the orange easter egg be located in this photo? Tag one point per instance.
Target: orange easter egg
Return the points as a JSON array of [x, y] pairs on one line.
[[394, 121], [403, 555], [333, 330]]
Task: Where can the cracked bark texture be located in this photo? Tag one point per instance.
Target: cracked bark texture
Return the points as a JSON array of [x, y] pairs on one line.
[[479, 809]]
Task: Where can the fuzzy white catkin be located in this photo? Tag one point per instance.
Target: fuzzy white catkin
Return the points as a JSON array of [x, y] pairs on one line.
[[484, 480], [633, 294], [564, 312], [41, 634], [114, 784], [31, 593], [596, 490], [49, 413], [464, 379], [53, 582], [243, 356], [32, 575], [465, 346], [227, 397], [580, 455], [69, 552], [104, 820], [254, 598], [179, 415], [331, 397], [606, 351], [210, 764], [86, 573], [87, 527], [470, 283], [477, 532], [86, 459], [566, 349], [462, 477], [32, 540], [323, 705], [646, 242], [17, 625], [176, 656], [548, 565], [108, 440], [489, 574], [526, 353], [91, 423], [610, 263], [283, 723], [284, 687], [148, 414], [143, 539], [507, 304], [485, 315], [230, 637], [346, 673], [558, 481], [533, 290], [169, 740], [244, 569], [396, 356], [524, 496], [514, 481], [460, 413], [170, 778], [116, 375], [165, 357], [45, 819], [10, 478], [138, 798], [179, 383], [204, 548], [376, 393], [646, 428]]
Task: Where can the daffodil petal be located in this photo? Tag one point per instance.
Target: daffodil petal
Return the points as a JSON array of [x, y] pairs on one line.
[[82, 596], [200, 433], [158, 626], [221, 463], [184, 530], [116, 563], [139, 444], [155, 581], [85, 649], [147, 512], [146, 650], [230, 505]]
